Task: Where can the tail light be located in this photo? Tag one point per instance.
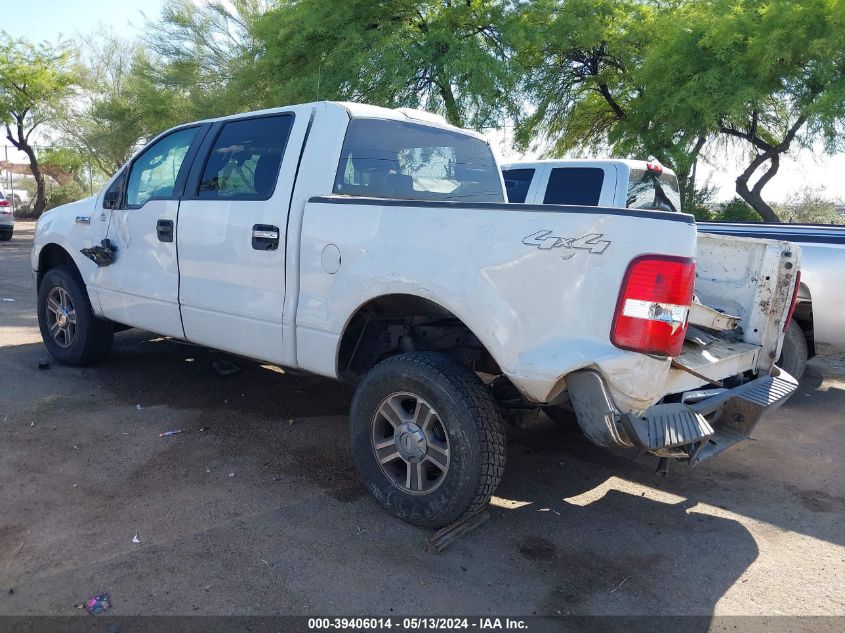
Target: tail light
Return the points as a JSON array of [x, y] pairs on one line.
[[652, 312], [794, 300], [4, 202]]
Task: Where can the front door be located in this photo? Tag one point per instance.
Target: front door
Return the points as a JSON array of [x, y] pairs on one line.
[[141, 287], [231, 235]]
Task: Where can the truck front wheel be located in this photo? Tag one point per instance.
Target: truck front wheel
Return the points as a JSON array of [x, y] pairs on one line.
[[427, 438], [71, 332]]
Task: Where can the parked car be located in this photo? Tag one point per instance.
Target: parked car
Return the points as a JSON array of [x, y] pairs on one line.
[[819, 317], [377, 246], [17, 197], [637, 184], [7, 218]]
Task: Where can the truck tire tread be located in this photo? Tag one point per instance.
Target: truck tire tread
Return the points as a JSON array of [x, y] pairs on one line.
[[474, 399], [96, 334]]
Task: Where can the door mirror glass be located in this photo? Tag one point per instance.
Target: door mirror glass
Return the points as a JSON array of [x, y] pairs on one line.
[[154, 173]]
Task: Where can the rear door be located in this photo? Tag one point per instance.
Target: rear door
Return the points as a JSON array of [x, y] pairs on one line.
[[231, 234]]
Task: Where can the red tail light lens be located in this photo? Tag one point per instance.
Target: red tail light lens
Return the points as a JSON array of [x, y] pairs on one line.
[[794, 300], [652, 312], [4, 202]]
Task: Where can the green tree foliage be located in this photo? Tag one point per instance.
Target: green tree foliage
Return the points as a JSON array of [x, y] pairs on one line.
[[764, 74], [34, 81], [736, 210], [105, 121], [447, 56], [651, 77], [809, 206], [583, 75], [202, 58]]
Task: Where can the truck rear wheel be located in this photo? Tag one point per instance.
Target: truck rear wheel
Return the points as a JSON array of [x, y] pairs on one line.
[[427, 438], [71, 332], [793, 354]]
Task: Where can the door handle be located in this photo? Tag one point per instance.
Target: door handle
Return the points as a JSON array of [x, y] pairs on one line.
[[265, 237], [164, 228]]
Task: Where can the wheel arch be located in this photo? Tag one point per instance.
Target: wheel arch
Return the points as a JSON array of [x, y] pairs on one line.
[[53, 255], [803, 316], [391, 317]]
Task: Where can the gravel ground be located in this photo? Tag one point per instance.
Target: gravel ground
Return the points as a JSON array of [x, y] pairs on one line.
[[255, 507]]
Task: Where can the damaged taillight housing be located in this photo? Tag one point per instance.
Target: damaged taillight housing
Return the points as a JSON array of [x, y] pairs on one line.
[[652, 312]]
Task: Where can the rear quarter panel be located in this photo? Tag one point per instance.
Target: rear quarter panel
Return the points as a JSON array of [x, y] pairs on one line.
[[541, 311]]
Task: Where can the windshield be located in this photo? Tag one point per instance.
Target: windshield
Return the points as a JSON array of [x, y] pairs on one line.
[[396, 159], [653, 190]]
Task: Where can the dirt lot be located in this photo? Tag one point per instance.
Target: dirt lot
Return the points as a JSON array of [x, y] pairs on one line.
[[255, 507]]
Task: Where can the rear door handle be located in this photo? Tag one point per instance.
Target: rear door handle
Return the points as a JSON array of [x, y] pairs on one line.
[[265, 237], [164, 228]]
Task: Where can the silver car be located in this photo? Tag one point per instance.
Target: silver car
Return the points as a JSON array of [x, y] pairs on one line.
[[7, 218]]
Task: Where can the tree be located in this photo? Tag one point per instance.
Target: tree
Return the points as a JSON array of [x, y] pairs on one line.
[[104, 120], [34, 80], [447, 56], [203, 56], [736, 210], [809, 206], [764, 74], [582, 75]]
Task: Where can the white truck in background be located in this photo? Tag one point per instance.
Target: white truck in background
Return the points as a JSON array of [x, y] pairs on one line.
[[377, 246], [638, 184]]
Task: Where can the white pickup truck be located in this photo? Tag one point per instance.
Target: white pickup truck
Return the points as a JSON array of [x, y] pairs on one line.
[[377, 246]]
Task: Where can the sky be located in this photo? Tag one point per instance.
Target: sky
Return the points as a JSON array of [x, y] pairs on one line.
[[50, 19]]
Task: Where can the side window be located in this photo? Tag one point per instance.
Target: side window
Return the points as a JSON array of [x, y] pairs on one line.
[[245, 160], [517, 182], [154, 173], [575, 186]]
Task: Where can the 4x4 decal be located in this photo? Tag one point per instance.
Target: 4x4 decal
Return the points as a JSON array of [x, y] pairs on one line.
[[544, 240]]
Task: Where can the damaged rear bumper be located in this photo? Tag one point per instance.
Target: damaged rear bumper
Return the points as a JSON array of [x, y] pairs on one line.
[[687, 430]]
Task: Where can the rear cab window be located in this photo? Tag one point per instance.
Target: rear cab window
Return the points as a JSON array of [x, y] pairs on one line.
[[413, 161], [653, 189]]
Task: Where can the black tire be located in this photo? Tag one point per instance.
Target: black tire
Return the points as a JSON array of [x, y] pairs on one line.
[[793, 355], [471, 424], [5, 236], [92, 337]]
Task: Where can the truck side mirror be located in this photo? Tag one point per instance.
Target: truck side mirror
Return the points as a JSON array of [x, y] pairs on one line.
[[111, 199]]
